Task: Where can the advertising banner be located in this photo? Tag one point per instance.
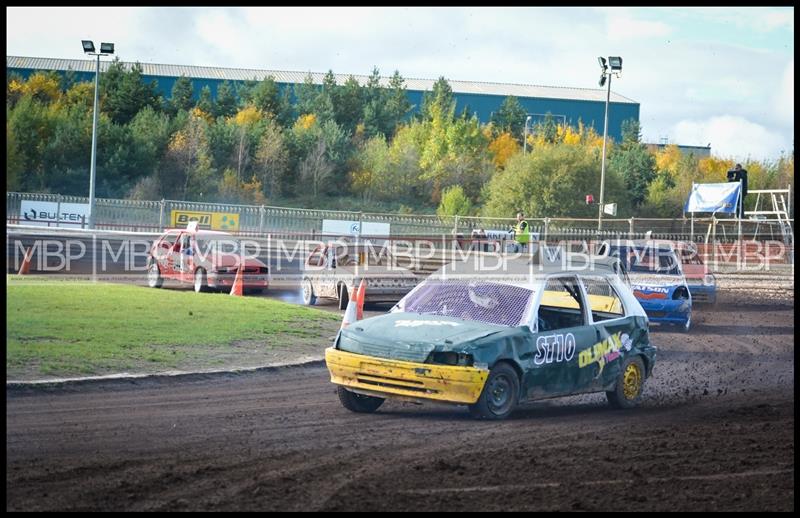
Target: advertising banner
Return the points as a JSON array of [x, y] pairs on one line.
[[206, 220], [713, 197], [52, 214], [352, 228]]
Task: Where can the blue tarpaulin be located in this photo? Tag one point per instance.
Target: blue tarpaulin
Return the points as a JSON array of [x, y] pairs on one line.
[[713, 197]]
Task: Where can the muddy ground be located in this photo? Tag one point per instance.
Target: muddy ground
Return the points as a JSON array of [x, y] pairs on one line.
[[715, 432]]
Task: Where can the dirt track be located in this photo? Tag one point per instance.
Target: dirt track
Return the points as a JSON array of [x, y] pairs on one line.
[[715, 432]]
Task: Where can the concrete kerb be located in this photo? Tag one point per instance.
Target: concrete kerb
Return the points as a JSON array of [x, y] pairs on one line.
[[303, 361]]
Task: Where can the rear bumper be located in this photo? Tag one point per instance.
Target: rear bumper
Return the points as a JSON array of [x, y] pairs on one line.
[[702, 293], [249, 280], [386, 378]]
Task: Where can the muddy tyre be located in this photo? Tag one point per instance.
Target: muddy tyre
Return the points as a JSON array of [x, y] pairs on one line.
[[500, 394], [154, 278], [200, 281], [309, 298], [357, 402], [628, 391]]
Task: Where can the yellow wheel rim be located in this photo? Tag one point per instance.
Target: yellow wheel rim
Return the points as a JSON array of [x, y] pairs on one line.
[[632, 381]]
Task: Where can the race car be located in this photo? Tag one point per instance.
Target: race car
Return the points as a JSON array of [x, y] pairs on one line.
[[491, 341], [335, 269], [702, 283], [206, 259], [656, 278]]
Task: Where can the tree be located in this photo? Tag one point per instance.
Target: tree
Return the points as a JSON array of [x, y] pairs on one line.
[[204, 102], [349, 104], [125, 93], [439, 101], [373, 169], [397, 103], [272, 159], [245, 121], [182, 93], [187, 163], [633, 162], [316, 168], [454, 202], [503, 148], [266, 96], [305, 95], [550, 182], [226, 101], [510, 118]]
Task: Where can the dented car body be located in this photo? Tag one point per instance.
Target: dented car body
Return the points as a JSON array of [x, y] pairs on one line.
[[492, 341], [657, 279]]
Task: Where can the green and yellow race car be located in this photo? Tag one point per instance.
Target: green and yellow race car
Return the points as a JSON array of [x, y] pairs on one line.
[[522, 332]]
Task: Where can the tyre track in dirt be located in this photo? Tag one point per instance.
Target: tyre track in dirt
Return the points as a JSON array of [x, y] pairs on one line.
[[715, 431]]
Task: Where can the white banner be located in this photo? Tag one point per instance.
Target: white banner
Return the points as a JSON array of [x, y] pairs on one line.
[[51, 214], [351, 228]]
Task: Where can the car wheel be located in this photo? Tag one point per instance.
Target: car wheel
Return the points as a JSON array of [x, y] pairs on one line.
[[357, 402], [309, 299], [628, 390], [500, 394], [344, 298], [200, 283], [688, 324], [154, 278]]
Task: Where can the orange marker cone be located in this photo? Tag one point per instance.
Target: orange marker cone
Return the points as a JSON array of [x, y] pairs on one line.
[[350, 315], [237, 288], [26, 262], [360, 295]]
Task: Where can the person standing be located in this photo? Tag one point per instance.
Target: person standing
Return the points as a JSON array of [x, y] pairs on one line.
[[522, 233], [735, 175]]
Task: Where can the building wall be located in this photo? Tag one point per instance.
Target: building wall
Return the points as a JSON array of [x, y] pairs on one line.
[[591, 113]]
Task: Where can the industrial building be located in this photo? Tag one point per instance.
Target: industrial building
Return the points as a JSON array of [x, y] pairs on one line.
[[566, 105]]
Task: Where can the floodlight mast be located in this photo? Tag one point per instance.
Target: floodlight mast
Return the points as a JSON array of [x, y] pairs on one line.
[[615, 63], [105, 50]]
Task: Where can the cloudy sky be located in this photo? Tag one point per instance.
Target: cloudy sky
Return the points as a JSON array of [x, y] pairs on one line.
[[723, 76]]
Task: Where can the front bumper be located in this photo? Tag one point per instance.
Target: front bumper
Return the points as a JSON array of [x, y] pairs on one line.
[[381, 377]]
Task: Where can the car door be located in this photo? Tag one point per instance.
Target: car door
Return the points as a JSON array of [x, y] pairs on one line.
[[183, 257], [562, 334], [615, 330], [164, 254]]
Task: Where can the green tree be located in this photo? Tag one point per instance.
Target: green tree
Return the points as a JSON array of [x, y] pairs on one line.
[[226, 101], [551, 182], [397, 103], [439, 101], [305, 95], [454, 202], [182, 94], [633, 162], [266, 96], [510, 117], [125, 93], [349, 104], [204, 102]]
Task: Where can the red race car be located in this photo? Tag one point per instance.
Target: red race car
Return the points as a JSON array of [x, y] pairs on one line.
[[206, 259]]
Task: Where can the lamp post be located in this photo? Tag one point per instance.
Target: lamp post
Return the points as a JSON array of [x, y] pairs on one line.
[[105, 50], [525, 136], [614, 66]]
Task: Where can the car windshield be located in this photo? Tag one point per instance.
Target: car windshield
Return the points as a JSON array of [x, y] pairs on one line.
[[661, 261], [489, 302]]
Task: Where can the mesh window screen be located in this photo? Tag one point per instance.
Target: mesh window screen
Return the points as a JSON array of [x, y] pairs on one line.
[[488, 302]]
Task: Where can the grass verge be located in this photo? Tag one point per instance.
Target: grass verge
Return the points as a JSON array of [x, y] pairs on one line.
[[63, 329]]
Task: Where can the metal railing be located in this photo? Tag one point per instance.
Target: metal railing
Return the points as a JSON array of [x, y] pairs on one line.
[[154, 216]]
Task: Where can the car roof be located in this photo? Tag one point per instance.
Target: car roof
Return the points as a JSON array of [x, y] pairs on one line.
[[527, 270]]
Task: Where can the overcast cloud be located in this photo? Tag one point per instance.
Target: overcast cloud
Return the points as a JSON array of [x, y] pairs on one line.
[[723, 76]]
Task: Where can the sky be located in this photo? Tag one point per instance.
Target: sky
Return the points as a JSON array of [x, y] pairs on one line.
[[719, 76]]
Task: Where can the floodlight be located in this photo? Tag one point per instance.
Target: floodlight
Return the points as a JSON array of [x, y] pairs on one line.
[[88, 46], [602, 62], [107, 48], [615, 62]]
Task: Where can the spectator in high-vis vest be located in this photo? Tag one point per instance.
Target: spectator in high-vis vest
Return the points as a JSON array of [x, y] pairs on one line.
[[522, 233]]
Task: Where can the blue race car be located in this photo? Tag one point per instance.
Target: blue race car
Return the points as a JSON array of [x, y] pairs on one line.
[[657, 279]]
